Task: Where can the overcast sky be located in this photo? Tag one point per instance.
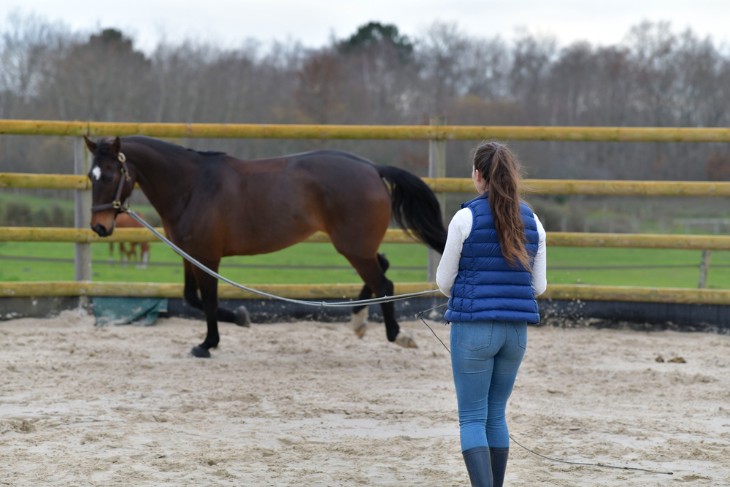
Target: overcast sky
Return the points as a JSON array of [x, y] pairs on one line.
[[227, 23]]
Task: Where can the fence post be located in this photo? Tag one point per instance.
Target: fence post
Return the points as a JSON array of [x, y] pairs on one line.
[[82, 210], [436, 169], [704, 267]]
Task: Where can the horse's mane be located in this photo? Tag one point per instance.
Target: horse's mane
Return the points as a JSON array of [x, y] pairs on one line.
[[170, 147]]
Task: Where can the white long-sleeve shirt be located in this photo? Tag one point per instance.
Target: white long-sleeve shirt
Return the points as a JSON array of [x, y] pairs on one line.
[[459, 230]]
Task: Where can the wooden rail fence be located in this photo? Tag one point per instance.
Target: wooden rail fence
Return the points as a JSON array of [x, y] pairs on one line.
[[435, 133], [364, 132]]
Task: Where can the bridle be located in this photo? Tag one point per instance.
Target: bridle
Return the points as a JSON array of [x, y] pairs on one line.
[[117, 204]]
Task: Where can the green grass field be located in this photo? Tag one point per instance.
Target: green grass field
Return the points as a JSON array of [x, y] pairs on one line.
[[635, 267], [319, 263]]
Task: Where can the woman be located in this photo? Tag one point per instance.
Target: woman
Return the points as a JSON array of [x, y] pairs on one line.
[[492, 268]]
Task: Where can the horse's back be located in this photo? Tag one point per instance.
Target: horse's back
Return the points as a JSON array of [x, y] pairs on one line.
[[340, 169], [325, 161], [293, 196], [333, 173]]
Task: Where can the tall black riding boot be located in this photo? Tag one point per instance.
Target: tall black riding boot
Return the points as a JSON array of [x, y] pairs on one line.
[[478, 466], [498, 459]]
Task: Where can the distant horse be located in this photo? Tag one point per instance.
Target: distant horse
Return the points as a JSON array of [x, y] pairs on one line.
[[213, 205], [128, 250]]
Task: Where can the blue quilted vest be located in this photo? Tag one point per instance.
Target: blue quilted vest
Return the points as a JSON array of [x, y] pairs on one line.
[[487, 287]]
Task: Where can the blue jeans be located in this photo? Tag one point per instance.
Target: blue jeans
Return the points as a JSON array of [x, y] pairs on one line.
[[485, 357]]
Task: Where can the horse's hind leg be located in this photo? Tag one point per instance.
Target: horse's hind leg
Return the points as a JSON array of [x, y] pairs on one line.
[[374, 276], [145, 255], [392, 328], [123, 254], [358, 320]]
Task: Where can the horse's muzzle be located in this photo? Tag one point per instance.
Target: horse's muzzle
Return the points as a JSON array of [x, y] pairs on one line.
[[101, 230]]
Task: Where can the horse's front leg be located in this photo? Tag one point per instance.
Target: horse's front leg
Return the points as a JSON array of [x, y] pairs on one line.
[[208, 287], [239, 316]]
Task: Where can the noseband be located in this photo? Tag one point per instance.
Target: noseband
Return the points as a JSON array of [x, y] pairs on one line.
[[117, 204]]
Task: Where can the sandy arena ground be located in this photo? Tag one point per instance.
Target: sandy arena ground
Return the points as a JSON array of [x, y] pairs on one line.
[[309, 404]]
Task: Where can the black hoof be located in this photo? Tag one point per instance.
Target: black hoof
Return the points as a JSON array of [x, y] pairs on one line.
[[242, 317], [200, 352]]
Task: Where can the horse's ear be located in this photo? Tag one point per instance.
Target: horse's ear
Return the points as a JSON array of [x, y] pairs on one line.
[[91, 145], [116, 145]]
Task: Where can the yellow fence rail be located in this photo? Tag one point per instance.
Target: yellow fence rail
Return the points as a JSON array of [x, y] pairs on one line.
[[345, 291], [392, 132], [451, 185]]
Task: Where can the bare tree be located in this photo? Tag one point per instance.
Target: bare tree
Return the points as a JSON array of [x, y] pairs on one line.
[[378, 76], [532, 58], [104, 78], [318, 93]]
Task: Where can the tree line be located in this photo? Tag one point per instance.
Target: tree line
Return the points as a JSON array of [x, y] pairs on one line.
[[655, 77]]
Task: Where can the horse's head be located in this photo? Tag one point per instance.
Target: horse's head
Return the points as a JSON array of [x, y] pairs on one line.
[[111, 183]]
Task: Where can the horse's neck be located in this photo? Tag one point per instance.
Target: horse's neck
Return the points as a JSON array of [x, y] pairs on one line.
[[166, 181]]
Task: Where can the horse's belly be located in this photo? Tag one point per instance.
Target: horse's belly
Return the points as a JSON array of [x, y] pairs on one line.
[[265, 240]]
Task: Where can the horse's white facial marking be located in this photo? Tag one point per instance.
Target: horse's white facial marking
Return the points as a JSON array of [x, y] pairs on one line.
[[96, 172]]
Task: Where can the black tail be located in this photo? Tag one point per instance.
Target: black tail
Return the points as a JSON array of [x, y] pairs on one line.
[[415, 207]]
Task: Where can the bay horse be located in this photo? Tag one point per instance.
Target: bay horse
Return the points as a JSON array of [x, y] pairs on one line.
[[128, 250], [213, 205]]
